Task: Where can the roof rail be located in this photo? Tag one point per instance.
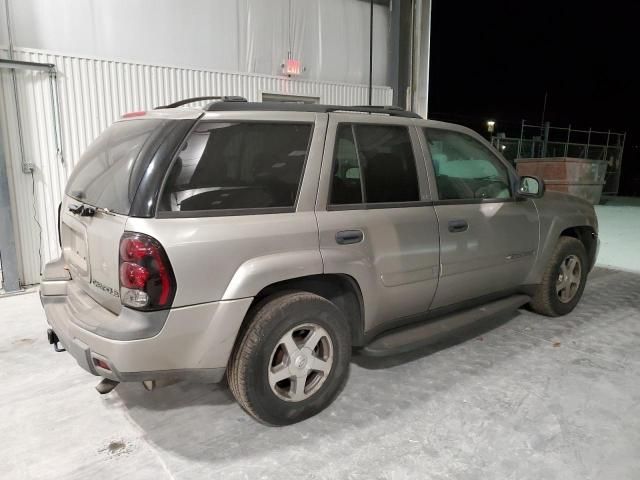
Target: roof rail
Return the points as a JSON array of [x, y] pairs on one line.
[[200, 99], [308, 107], [391, 110]]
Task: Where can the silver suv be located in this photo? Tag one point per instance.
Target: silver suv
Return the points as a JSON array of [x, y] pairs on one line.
[[264, 241]]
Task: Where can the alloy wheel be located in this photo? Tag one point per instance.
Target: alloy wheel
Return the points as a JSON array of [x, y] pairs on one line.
[[300, 362], [569, 278]]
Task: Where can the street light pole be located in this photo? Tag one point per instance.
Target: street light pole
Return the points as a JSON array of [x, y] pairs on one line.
[[491, 125]]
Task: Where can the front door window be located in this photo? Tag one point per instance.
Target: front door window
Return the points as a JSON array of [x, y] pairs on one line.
[[464, 168]]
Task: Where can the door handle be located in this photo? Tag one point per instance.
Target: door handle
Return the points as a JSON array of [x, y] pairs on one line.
[[347, 237], [456, 226]]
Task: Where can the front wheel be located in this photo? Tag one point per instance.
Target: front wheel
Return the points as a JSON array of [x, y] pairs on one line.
[[564, 279], [292, 360]]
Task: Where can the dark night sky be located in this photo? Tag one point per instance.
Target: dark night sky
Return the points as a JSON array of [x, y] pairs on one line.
[[496, 58]]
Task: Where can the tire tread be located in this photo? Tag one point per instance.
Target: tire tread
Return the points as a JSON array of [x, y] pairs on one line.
[[541, 301], [260, 322]]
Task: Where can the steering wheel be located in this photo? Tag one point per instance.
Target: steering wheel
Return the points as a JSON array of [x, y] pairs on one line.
[[491, 189]]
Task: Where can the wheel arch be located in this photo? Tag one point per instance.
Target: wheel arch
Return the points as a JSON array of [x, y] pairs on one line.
[[341, 289], [587, 236], [554, 227]]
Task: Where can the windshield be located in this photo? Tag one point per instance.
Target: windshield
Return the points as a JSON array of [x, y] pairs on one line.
[[105, 175]]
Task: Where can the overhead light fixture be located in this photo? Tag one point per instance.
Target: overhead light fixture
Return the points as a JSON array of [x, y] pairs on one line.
[[491, 125]]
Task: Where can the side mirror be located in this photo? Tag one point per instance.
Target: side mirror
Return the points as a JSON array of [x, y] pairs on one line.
[[531, 187]]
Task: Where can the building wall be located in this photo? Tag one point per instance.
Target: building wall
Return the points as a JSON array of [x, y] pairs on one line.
[[92, 93], [123, 55], [330, 37]]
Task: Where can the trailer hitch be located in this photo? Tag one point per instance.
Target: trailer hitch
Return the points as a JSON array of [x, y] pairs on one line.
[[54, 340]]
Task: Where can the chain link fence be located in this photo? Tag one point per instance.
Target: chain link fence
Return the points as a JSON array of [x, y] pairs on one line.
[[545, 141]]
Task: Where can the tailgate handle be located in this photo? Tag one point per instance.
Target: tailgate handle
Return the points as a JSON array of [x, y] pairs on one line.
[[456, 226], [347, 237]]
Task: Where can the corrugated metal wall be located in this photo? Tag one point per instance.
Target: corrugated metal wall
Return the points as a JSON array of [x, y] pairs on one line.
[[92, 94]]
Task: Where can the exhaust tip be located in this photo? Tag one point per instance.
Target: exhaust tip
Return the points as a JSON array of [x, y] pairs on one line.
[[106, 385]]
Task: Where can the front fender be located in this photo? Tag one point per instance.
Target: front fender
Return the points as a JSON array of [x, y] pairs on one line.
[[260, 272], [558, 212]]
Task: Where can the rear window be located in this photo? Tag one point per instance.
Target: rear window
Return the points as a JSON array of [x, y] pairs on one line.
[[238, 166], [105, 176]]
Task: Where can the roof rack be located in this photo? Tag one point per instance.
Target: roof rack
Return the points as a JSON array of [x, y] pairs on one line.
[[200, 99], [306, 107]]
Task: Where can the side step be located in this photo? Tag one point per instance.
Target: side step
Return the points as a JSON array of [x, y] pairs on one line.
[[411, 337]]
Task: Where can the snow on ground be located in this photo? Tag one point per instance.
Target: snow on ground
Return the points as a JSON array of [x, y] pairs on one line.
[[619, 226]]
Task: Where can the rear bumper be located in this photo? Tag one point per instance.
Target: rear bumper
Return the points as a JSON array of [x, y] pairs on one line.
[[194, 343]]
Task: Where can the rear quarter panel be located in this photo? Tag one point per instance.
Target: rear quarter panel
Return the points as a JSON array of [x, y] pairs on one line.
[[230, 257], [224, 258]]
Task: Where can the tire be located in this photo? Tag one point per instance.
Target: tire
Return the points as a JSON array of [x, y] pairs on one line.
[[262, 356], [546, 299]]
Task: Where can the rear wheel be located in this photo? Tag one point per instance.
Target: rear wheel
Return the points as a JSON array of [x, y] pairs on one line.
[[564, 279], [292, 360]]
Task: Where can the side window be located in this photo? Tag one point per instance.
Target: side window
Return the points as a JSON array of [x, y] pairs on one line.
[[346, 187], [373, 164], [230, 166], [465, 169]]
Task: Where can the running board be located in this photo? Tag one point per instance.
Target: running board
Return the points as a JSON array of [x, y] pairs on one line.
[[405, 339]]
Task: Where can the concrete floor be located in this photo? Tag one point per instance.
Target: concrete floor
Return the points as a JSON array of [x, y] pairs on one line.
[[526, 397]]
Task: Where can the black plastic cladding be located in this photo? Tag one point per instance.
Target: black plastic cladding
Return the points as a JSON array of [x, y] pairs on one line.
[[160, 149]]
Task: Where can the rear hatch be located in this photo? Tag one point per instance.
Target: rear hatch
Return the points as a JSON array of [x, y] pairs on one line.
[[104, 190]]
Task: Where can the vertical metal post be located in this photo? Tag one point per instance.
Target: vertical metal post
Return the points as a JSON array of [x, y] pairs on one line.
[[545, 139], [606, 149], [412, 61], [586, 153], [619, 165], [400, 58], [8, 252], [370, 52], [16, 96], [566, 145], [55, 109], [520, 141], [421, 47], [393, 58]]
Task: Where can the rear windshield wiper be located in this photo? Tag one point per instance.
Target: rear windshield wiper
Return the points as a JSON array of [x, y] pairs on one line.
[[82, 210]]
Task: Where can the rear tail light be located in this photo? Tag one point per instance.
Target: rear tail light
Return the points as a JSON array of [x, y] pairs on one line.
[[146, 278]]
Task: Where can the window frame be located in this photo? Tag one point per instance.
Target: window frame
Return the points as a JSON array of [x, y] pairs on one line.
[[240, 211], [512, 176], [423, 189]]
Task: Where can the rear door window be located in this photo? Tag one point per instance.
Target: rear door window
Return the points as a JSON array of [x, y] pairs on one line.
[[238, 166], [105, 175], [373, 164]]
